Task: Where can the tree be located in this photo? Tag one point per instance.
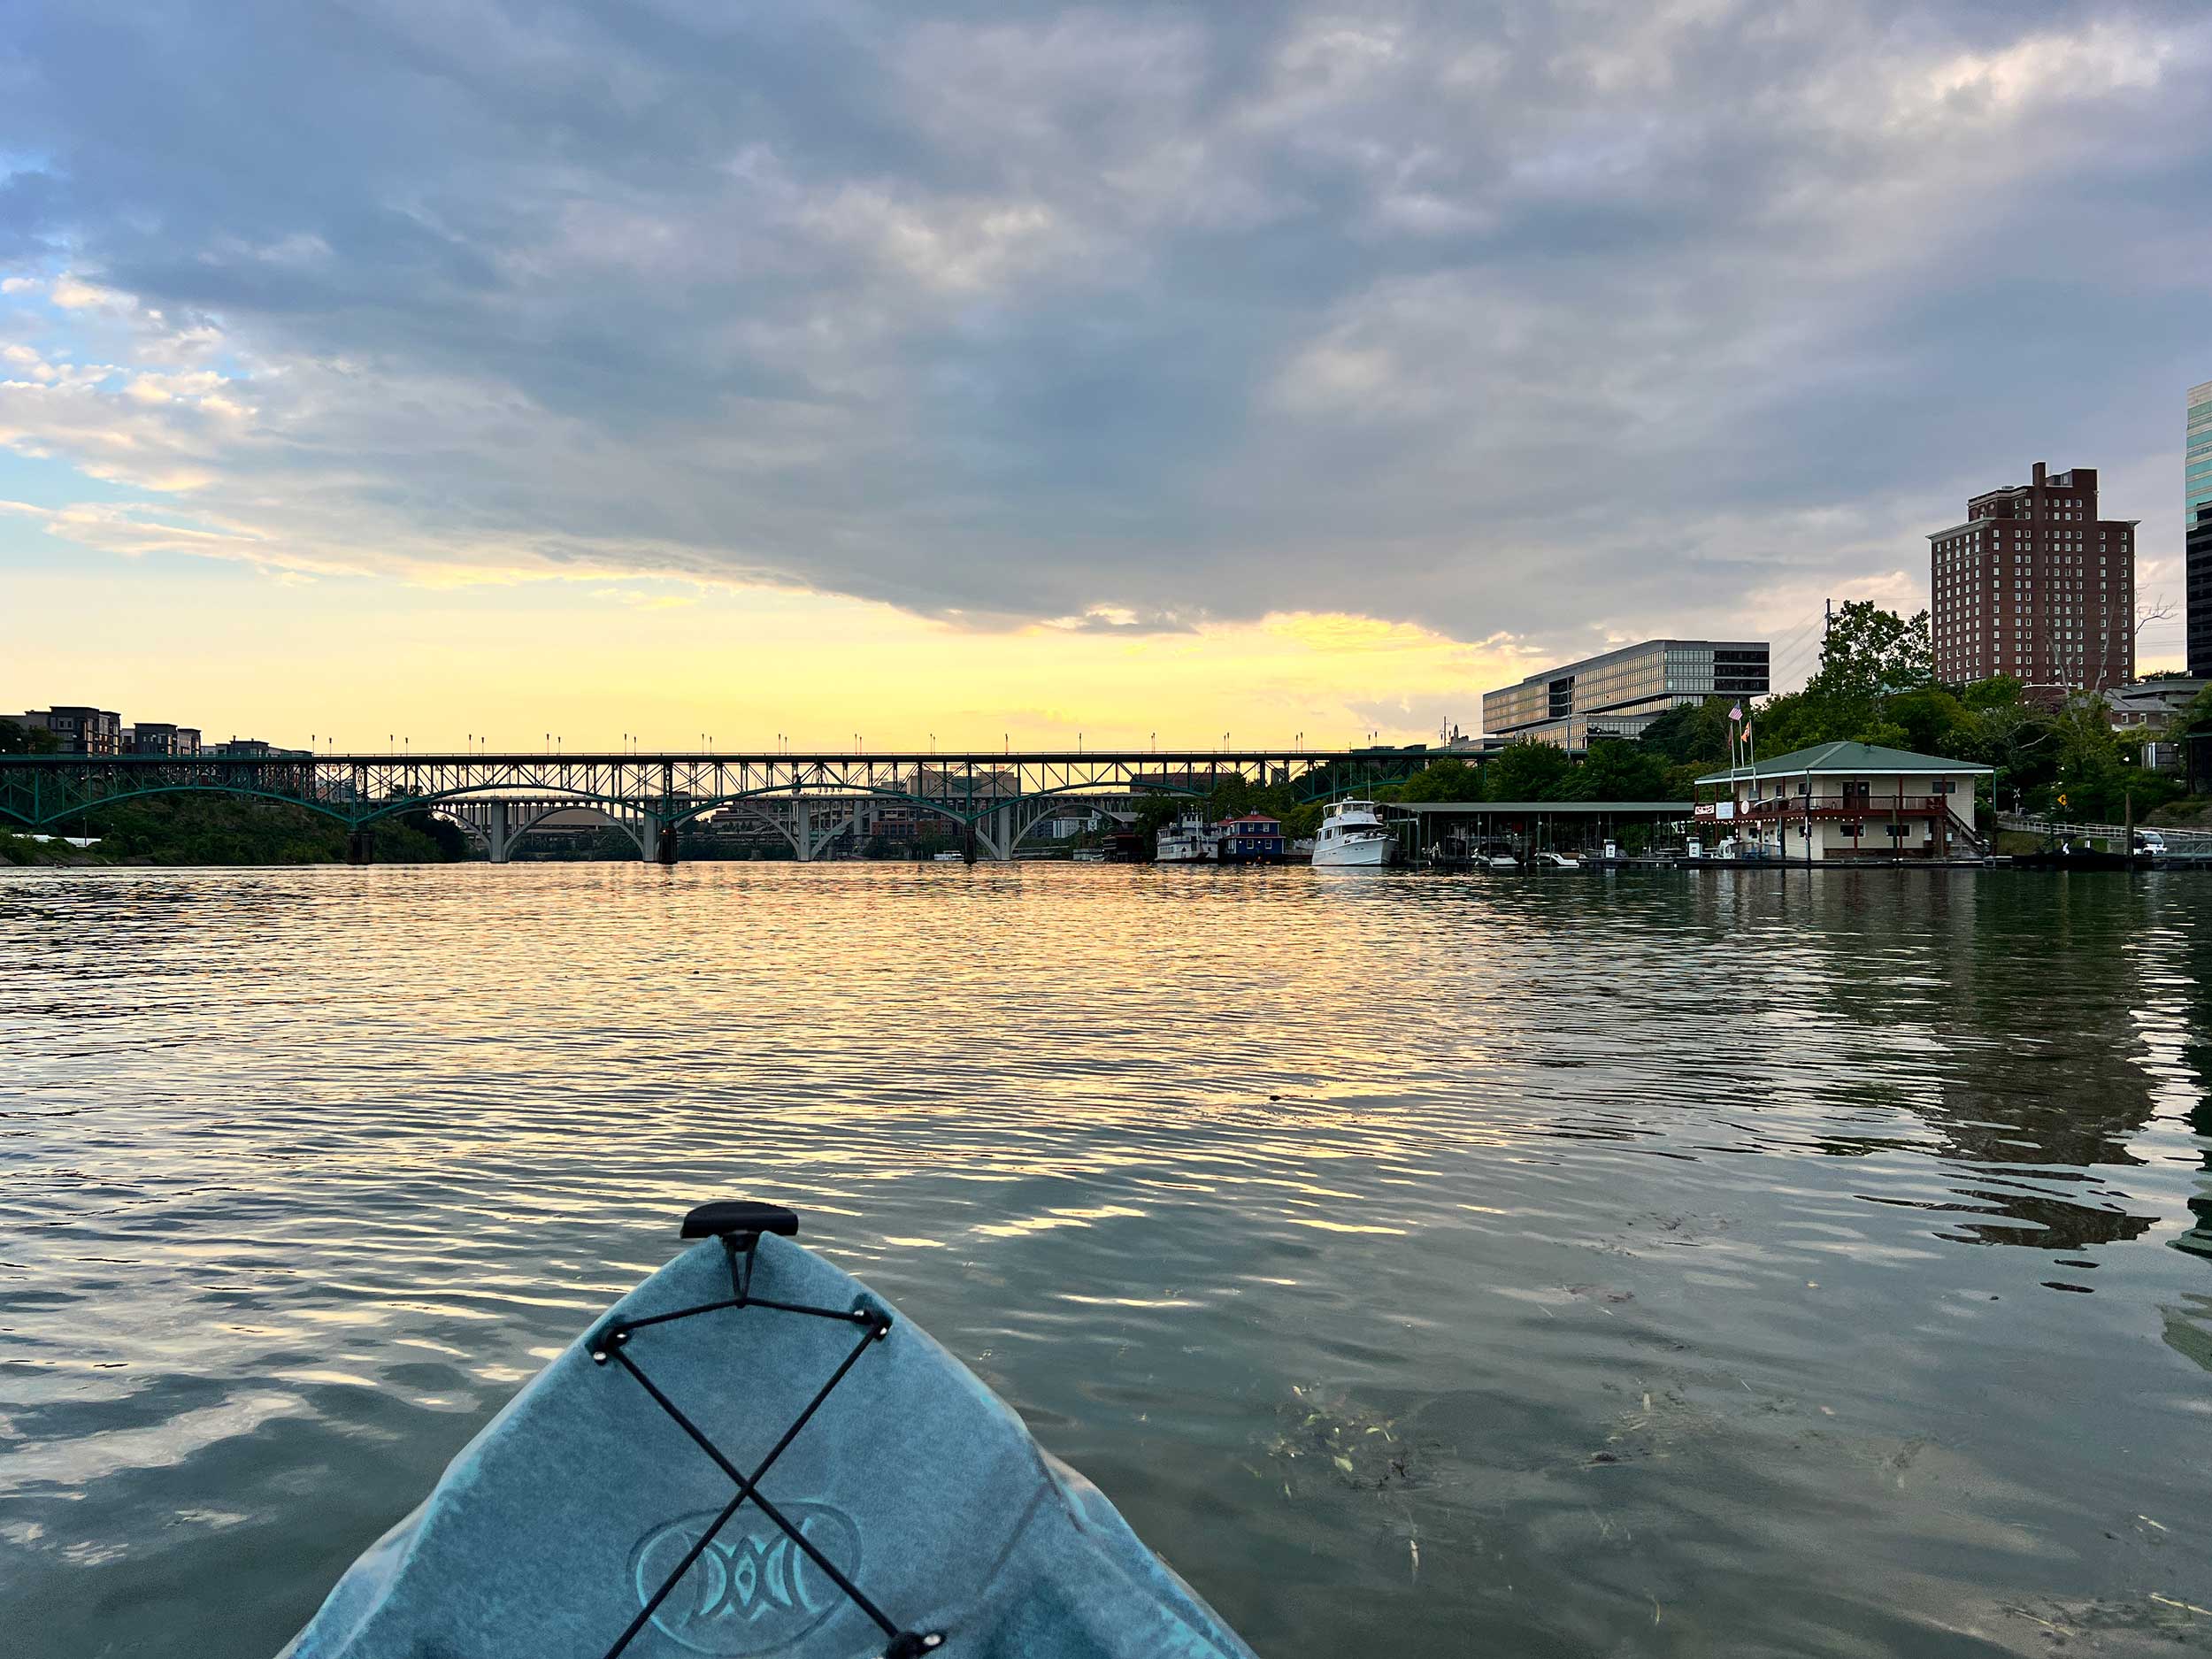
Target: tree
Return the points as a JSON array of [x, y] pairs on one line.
[[1617, 771], [1934, 721], [1796, 719], [1446, 780], [2022, 743], [1526, 771], [1870, 657], [1695, 732], [18, 739], [1870, 653], [1998, 691]]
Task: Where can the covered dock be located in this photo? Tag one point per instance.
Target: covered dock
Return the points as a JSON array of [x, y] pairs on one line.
[[1455, 831]]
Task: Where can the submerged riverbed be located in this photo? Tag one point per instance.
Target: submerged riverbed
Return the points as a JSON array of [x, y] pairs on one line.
[[1688, 1262]]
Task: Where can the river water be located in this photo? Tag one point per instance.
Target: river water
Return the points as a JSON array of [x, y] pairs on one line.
[[1713, 1263]]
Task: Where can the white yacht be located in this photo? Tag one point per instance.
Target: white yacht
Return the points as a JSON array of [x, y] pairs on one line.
[[1188, 841], [1353, 835]]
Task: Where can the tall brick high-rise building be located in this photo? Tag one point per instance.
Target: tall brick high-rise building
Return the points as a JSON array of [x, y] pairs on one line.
[[2036, 585]]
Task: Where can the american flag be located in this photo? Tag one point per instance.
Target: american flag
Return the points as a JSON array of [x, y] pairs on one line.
[[1736, 713]]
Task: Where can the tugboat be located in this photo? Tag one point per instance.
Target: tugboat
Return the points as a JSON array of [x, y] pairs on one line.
[[1353, 837]]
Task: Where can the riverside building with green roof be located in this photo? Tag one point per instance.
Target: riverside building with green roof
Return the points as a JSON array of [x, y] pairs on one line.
[[1839, 801]]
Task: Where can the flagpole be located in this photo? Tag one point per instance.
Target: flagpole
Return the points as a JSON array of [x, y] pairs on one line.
[[1735, 750]]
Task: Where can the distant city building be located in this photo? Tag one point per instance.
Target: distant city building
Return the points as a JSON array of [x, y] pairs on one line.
[[2150, 705], [253, 748], [1619, 694], [2196, 526], [2034, 585], [953, 783], [78, 730], [157, 737], [1842, 800]]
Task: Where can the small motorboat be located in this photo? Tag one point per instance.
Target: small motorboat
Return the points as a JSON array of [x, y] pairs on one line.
[[752, 1454], [1553, 861]]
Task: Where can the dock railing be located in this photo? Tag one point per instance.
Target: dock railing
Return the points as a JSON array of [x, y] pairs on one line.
[[2176, 839]]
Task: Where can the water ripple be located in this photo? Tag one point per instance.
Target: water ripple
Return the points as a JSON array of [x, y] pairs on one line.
[[1531, 1266]]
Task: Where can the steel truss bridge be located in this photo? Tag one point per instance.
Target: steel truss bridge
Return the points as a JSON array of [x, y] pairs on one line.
[[991, 802]]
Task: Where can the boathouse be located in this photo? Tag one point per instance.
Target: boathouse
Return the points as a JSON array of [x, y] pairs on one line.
[[1843, 801], [1255, 838]]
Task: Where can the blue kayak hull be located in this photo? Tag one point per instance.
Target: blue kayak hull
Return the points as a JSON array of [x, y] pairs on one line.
[[911, 1512]]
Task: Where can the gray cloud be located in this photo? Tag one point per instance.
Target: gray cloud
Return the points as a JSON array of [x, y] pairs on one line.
[[1666, 314]]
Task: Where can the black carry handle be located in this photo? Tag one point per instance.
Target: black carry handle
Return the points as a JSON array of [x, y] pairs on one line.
[[727, 1218]]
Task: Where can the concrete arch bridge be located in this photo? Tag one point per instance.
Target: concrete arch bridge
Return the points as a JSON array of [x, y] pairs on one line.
[[988, 801]]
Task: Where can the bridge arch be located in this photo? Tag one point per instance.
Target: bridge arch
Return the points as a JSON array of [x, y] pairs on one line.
[[642, 836], [79, 809], [488, 794]]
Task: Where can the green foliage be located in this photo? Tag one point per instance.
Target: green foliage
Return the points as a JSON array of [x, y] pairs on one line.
[[19, 739], [450, 840], [1696, 731], [1615, 771], [1874, 665], [1928, 720], [1870, 653], [1998, 691], [1526, 771], [218, 829], [1446, 780]]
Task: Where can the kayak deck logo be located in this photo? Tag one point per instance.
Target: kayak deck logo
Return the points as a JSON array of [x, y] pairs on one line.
[[752, 1590]]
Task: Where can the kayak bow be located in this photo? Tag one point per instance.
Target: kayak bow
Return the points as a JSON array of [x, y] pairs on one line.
[[751, 1455]]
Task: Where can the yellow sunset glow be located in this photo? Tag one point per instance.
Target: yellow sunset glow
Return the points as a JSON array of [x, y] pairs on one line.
[[366, 663]]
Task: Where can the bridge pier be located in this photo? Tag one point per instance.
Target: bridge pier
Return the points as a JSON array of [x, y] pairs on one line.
[[496, 830], [665, 845], [361, 847]]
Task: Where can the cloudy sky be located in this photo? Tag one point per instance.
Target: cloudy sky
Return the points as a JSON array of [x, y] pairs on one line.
[[683, 367]]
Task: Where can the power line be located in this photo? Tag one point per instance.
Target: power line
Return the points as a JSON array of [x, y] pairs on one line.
[[1798, 647]]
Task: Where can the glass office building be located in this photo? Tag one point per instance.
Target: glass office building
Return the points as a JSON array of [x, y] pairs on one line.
[[1622, 692], [2196, 526]]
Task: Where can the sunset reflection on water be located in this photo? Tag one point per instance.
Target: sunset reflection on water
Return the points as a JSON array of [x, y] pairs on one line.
[[1651, 1220]]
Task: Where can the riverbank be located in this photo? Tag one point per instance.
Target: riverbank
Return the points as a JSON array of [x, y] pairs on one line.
[[226, 830]]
